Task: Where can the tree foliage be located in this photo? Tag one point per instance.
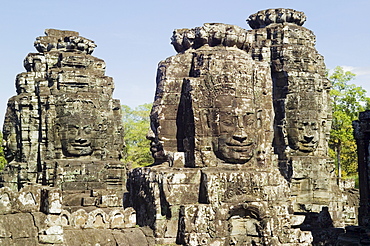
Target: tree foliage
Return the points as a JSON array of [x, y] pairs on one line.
[[348, 101], [136, 125]]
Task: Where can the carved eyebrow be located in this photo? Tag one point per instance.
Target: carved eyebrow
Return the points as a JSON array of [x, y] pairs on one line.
[[73, 125], [228, 111]]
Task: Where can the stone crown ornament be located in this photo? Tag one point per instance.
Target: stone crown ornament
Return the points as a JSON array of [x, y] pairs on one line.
[[264, 18], [63, 41]]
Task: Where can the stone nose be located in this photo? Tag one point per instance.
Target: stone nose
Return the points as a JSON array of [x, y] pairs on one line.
[[81, 140], [240, 134], [308, 138], [150, 135], [240, 138]]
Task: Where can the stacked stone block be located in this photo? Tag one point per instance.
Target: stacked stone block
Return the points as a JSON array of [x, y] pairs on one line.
[[38, 215]]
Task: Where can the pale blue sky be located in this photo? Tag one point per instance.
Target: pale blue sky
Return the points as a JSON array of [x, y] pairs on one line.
[[133, 36]]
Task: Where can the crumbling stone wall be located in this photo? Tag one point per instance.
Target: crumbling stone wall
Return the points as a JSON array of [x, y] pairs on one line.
[[39, 215]]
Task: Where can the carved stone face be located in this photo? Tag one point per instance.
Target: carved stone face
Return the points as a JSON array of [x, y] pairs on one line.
[[234, 138], [76, 137], [303, 135]]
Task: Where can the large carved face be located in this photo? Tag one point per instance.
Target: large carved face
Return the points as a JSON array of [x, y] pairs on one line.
[[234, 136], [303, 135], [76, 135]]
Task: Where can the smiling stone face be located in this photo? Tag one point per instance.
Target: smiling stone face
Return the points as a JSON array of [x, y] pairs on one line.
[[84, 128], [234, 138], [303, 134], [76, 138]]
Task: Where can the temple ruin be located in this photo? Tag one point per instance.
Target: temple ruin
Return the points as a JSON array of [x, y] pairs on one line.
[[239, 132], [63, 141], [247, 113]]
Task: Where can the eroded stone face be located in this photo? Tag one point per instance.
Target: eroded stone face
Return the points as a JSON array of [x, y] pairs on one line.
[[234, 138], [303, 135], [76, 135]]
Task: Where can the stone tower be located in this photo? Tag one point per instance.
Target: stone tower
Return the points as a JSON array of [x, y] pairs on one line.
[[239, 130], [63, 116], [64, 183]]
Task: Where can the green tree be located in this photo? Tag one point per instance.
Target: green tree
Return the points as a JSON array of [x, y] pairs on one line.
[[348, 101], [136, 125]]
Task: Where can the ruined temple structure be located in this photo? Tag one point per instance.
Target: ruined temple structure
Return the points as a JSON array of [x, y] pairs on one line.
[[361, 133], [239, 132], [360, 235], [63, 115], [64, 182]]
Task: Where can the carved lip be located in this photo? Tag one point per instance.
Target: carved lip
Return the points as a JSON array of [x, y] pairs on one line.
[[308, 144], [81, 145], [240, 145]]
